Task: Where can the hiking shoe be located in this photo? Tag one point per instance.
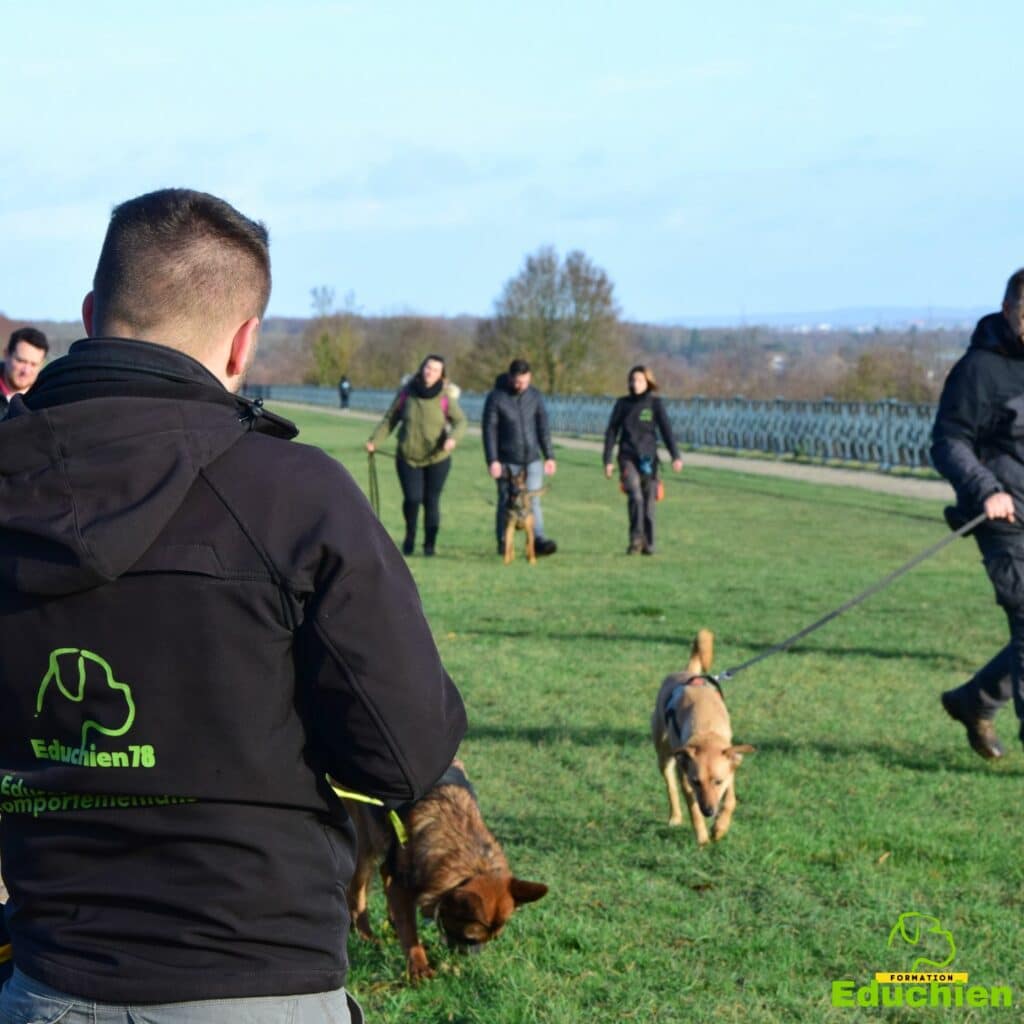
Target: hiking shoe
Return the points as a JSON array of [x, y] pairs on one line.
[[981, 733], [544, 546]]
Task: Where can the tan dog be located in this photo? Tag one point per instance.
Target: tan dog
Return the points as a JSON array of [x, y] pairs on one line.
[[519, 516], [451, 867], [693, 738]]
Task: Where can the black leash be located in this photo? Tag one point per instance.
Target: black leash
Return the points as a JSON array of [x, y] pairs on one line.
[[864, 595], [374, 485]]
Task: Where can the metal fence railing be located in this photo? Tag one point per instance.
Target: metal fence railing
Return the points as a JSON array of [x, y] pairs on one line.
[[888, 435]]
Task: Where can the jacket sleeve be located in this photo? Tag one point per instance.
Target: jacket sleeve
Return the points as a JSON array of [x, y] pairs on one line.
[[457, 417], [489, 428], [543, 430], [389, 422], [384, 716], [611, 434], [665, 427], [961, 419]]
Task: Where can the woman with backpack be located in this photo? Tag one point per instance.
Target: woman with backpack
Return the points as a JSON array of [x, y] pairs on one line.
[[636, 420], [426, 410]]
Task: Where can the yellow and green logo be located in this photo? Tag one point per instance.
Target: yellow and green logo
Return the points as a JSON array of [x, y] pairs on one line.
[[924, 976]]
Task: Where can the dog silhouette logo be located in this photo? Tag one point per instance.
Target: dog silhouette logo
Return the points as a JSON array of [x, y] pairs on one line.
[[933, 945], [77, 676]]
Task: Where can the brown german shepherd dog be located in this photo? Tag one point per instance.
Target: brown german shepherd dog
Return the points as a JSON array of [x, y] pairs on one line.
[[519, 516], [450, 866], [693, 738]]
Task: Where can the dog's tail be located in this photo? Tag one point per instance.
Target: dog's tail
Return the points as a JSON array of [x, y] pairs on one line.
[[701, 653]]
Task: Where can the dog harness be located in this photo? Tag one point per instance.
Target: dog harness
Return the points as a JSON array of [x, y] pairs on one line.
[[672, 704]]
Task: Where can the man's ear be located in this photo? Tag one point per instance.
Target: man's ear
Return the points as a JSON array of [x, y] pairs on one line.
[[243, 347], [88, 308]]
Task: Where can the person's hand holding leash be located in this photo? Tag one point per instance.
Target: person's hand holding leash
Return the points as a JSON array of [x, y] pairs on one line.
[[677, 465], [371, 447], [449, 444], [549, 467], [495, 470], [999, 506]]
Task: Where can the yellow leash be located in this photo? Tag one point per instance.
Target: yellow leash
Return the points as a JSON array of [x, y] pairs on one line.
[[396, 822]]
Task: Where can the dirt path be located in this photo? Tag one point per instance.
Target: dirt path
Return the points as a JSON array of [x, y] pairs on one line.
[[885, 483]]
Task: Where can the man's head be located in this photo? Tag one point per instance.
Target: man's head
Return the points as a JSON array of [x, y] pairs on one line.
[[187, 270], [23, 358], [519, 375], [1013, 304]]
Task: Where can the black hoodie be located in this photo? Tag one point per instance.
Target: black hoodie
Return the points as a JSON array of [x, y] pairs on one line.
[[198, 620], [978, 437]]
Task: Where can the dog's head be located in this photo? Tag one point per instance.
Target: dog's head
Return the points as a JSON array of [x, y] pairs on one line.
[[709, 767], [518, 495], [476, 911]]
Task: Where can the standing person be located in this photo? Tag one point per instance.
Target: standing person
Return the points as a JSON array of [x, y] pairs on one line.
[[635, 422], [199, 620], [23, 359], [978, 445], [516, 434], [344, 390], [432, 424]]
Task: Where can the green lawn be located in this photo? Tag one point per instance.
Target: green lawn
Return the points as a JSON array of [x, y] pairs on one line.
[[862, 802]]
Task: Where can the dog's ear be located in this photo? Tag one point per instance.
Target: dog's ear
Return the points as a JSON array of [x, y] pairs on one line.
[[526, 892], [735, 754]]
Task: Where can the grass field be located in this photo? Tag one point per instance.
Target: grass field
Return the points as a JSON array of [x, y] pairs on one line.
[[863, 801]]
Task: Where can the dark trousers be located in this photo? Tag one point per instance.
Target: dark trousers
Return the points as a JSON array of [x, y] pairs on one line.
[[1002, 679], [642, 497], [422, 485]]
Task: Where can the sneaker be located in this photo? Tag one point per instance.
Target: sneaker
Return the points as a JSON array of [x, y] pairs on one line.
[[981, 733], [544, 546]]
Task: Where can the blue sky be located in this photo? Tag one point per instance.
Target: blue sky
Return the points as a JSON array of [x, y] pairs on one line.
[[764, 158]]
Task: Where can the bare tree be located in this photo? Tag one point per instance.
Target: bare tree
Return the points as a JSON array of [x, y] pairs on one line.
[[559, 315], [334, 336]]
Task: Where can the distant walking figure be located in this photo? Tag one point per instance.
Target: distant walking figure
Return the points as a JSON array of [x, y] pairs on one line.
[[636, 420], [427, 407], [344, 390]]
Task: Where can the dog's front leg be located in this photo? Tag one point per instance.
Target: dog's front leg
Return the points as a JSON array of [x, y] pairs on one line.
[[531, 546], [724, 817], [700, 827], [357, 891], [510, 542], [402, 903], [671, 776]]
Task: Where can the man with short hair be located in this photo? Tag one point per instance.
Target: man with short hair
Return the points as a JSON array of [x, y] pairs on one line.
[[516, 434], [23, 359], [200, 623], [978, 445]]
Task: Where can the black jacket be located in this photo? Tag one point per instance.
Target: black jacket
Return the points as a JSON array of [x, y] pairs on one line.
[[634, 423], [515, 425], [198, 620], [978, 437]]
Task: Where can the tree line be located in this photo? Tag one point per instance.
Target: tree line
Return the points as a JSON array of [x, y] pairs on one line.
[[561, 314]]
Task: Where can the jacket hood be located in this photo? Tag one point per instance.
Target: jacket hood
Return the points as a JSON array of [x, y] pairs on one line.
[[993, 334], [100, 454]]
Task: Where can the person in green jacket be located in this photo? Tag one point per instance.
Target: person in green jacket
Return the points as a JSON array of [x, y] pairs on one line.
[[427, 407]]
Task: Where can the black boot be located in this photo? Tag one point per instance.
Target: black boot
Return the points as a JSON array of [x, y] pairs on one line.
[[428, 542]]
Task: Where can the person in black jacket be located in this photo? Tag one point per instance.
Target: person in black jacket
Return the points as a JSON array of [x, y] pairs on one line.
[[978, 445], [515, 432], [200, 623], [23, 359], [635, 422]]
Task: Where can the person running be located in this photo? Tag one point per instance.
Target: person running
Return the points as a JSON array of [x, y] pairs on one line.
[[432, 424], [635, 422]]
